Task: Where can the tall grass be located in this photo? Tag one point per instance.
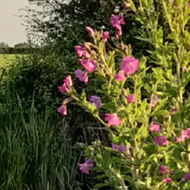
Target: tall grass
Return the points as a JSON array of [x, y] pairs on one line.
[[35, 154]]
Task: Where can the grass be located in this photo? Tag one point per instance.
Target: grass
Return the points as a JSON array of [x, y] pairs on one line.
[[35, 153]]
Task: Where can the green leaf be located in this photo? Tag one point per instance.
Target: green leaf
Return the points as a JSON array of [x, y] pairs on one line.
[[160, 113]]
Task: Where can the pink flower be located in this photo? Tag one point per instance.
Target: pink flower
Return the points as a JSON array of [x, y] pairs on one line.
[[97, 101], [167, 180], [120, 76], [154, 100], [105, 36], [83, 77], [90, 31], [131, 98], [189, 4], [112, 119], [129, 65], [163, 169], [154, 127], [81, 52], [89, 65], [185, 134], [66, 85], [84, 168], [119, 148], [117, 21], [62, 109], [161, 140], [187, 177], [174, 110]]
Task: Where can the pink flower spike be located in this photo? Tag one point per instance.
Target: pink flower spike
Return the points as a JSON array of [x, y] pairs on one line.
[[187, 177], [167, 180], [105, 36], [89, 65], [97, 101], [189, 4], [66, 85], [83, 77], [129, 65], [84, 168], [154, 127], [120, 148], [163, 169], [120, 76], [62, 109], [161, 140], [131, 98], [113, 119], [90, 31]]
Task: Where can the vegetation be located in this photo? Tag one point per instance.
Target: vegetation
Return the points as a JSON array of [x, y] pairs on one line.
[[127, 104]]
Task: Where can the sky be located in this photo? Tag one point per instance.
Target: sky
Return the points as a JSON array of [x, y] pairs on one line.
[[11, 30]]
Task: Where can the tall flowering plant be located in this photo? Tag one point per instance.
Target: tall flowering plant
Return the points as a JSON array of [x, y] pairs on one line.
[[143, 102]]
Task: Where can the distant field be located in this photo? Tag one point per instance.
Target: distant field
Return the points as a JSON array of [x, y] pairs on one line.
[[7, 59]]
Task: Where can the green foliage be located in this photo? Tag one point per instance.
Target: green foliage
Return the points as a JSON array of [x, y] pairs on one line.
[[163, 78]]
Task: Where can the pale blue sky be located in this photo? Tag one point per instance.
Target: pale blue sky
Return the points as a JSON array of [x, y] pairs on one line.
[[11, 30]]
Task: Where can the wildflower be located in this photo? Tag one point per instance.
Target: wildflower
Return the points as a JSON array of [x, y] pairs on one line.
[[161, 140], [187, 177], [163, 169], [90, 31], [154, 127], [154, 100], [185, 134], [97, 101], [89, 65], [66, 85], [167, 180], [130, 98], [105, 36], [83, 77], [120, 76], [129, 65], [62, 109], [120, 148], [84, 168], [117, 21], [174, 110], [81, 52], [112, 119]]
